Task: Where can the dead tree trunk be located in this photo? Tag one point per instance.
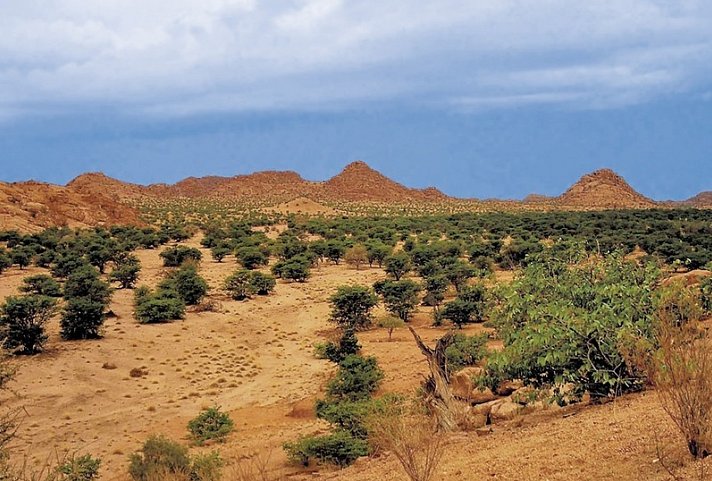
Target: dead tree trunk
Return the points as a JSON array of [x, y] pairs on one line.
[[448, 411]]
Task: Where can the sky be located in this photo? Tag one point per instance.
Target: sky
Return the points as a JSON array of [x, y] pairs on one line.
[[480, 98]]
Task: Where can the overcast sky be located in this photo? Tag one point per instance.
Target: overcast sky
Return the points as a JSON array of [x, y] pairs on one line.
[[480, 98]]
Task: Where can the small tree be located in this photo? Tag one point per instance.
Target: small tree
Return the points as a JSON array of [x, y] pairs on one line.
[[219, 252], [358, 377], [399, 297], [23, 319], [126, 272], [263, 284], [351, 306], [468, 307], [356, 256], [458, 273], [5, 260], [377, 252], [41, 285], [397, 265], [335, 250], [21, 256], [391, 323], [157, 307], [161, 458], [85, 282]]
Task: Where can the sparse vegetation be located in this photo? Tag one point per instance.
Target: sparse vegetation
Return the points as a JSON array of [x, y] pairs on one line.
[[210, 424]]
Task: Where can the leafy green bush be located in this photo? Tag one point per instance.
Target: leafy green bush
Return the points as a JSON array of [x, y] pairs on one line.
[[357, 378], [83, 468], [251, 257], [22, 322], [397, 265], [82, 318], [176, 256], [263, 284], [156, 307], [41, 285], [243, 284], [574, 323], [186, 281], [293, 269], [340, 449], [210, 424], [465, 351], [85, 282], [126, 272], [348, 345]]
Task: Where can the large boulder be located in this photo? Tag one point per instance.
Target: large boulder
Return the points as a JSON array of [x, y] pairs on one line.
[[504, 410], [506, 388], [462, 382]]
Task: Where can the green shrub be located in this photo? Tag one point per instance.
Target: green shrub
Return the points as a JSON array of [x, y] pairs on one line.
[[85, 282], [348, 345], [82, 318], [41, 285], [22, 321], [357, 378], [126, 272], [465, 351], [156, 307], [83, 468], [186, 281], [468, 306], [251, 257], [399, 297], [263, 284], [238, 285], [340, 449], [176, 256], [210, 424], [574, 323]]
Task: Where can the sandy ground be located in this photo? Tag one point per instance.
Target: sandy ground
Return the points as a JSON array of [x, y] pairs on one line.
[[255, 360]]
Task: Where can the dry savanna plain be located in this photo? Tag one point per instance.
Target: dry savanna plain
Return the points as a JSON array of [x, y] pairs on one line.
[[256, 360]]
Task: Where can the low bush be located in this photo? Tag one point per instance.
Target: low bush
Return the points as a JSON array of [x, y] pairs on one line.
[[82, 318], [163, 457], [176, 256], [156, 307], [339, 448], [211, 424], [187, 283], [82, 468]]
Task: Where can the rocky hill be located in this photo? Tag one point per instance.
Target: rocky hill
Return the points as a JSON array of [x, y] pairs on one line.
[[703, 199], [31, 206], [603, 189]]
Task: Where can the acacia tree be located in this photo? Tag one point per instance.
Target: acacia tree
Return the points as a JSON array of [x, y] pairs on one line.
[[399, 297], [397, 265], [351, 306], [468, 306], [356, 256]]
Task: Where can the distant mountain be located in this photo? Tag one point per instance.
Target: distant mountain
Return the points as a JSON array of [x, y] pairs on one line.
[[603, 189], [95, 199], [30, 206], [703, 199], [356, 183]]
